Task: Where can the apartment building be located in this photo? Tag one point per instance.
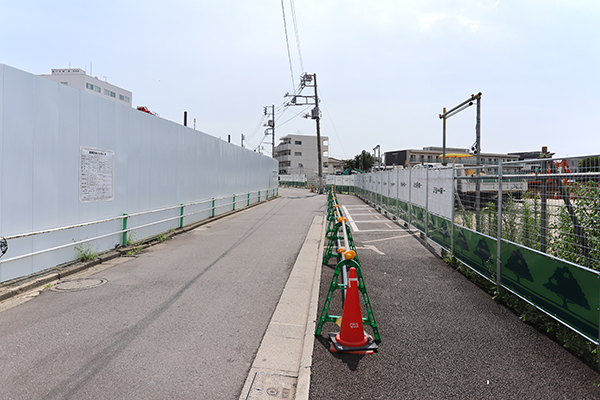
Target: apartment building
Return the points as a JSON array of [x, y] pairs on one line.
[[297, 154], [77, 79]]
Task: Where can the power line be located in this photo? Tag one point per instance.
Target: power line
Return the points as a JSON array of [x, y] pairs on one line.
[[256, 128], [287, 43], [297, 34], [301, 112], [332, 124]]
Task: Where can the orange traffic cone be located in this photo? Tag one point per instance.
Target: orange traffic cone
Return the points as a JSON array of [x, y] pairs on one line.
[[352, 337]]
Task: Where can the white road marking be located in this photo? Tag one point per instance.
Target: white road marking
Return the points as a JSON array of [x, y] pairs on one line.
[[384, 221], [381, 230], [390, 238], [371, 247], [350, 220]]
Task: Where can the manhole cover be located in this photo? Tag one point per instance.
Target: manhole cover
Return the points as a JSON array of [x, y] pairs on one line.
[[78, 284]]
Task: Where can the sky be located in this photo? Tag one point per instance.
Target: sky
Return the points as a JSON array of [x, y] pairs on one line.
[[385, 68]]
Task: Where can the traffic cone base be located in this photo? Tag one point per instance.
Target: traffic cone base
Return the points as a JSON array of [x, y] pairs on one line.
[[360, 343], [335, 347]]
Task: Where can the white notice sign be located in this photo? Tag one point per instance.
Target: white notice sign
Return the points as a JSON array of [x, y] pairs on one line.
[[96, 174]]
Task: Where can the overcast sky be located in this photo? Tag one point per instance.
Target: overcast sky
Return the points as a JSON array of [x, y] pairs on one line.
[[385, 68]]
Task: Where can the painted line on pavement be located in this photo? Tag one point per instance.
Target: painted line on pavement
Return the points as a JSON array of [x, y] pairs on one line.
[[350, 219], [390, 238]]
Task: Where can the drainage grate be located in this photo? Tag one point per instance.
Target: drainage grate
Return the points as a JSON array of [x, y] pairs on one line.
[[78, 284]]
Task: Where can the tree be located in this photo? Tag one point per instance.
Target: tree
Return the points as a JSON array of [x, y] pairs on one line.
[[590, 164], [363, 161]]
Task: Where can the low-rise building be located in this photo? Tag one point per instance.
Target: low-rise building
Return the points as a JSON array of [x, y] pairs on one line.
[[297, 154], [333, 166], [428, 155], [77, 79]]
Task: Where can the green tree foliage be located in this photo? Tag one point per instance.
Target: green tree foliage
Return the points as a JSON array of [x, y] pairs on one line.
[[363, 161], [590, 164]]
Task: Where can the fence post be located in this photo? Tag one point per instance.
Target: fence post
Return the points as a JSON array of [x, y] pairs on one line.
[[248, 199], [410, 207], [212, 214], [181, 215], [499, 232], [259, 196], [124, 238], [452, 212], [387, 201], [233, 203], [426, 204]]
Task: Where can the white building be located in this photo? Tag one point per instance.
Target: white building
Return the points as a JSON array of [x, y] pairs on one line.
[[77, 79], [333, 166], [297, 154]]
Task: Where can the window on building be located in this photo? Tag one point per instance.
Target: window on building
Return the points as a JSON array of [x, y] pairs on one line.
[[93, 87], [124, 98], [299, 142], [298, 154], [110, 93], [65, 83]]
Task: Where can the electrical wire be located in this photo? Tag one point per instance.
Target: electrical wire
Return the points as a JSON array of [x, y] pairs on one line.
[[287, 42], [332, 124], [295, 116], [297, 34], [253, 133]]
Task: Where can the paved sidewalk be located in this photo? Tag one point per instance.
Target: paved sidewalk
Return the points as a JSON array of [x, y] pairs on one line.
[[442, 336], [183, 320]]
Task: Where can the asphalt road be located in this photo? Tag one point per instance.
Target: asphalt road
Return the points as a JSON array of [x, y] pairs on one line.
[[183, 320], [442, 337]]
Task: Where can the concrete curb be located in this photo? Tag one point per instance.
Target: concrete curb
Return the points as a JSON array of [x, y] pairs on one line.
[[13, 288], [281, 367], [302, 390]]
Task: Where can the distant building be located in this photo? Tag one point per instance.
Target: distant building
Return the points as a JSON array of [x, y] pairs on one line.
[[77, 79], [333, 166], [412, 157], [297, 154], [572, 163]]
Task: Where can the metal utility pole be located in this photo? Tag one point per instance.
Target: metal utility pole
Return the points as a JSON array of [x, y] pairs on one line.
[[271, 126], [444, 140], [377, 157], [310, 80], [316, 115]]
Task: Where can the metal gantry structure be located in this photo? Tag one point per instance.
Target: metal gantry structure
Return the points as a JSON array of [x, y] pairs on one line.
[[476, 147]]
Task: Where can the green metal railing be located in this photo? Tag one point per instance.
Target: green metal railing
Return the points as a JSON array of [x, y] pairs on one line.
[[214, 208]]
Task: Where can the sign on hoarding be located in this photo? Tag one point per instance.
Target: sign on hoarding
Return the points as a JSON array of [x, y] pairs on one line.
[[96, 174]]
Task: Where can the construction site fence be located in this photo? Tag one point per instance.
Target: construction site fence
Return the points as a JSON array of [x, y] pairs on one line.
[[531, 227], [292, 180], [122, 230]]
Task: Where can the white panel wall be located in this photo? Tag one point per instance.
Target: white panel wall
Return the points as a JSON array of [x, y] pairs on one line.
[[440, 199], [157, 164], [418, 188]]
